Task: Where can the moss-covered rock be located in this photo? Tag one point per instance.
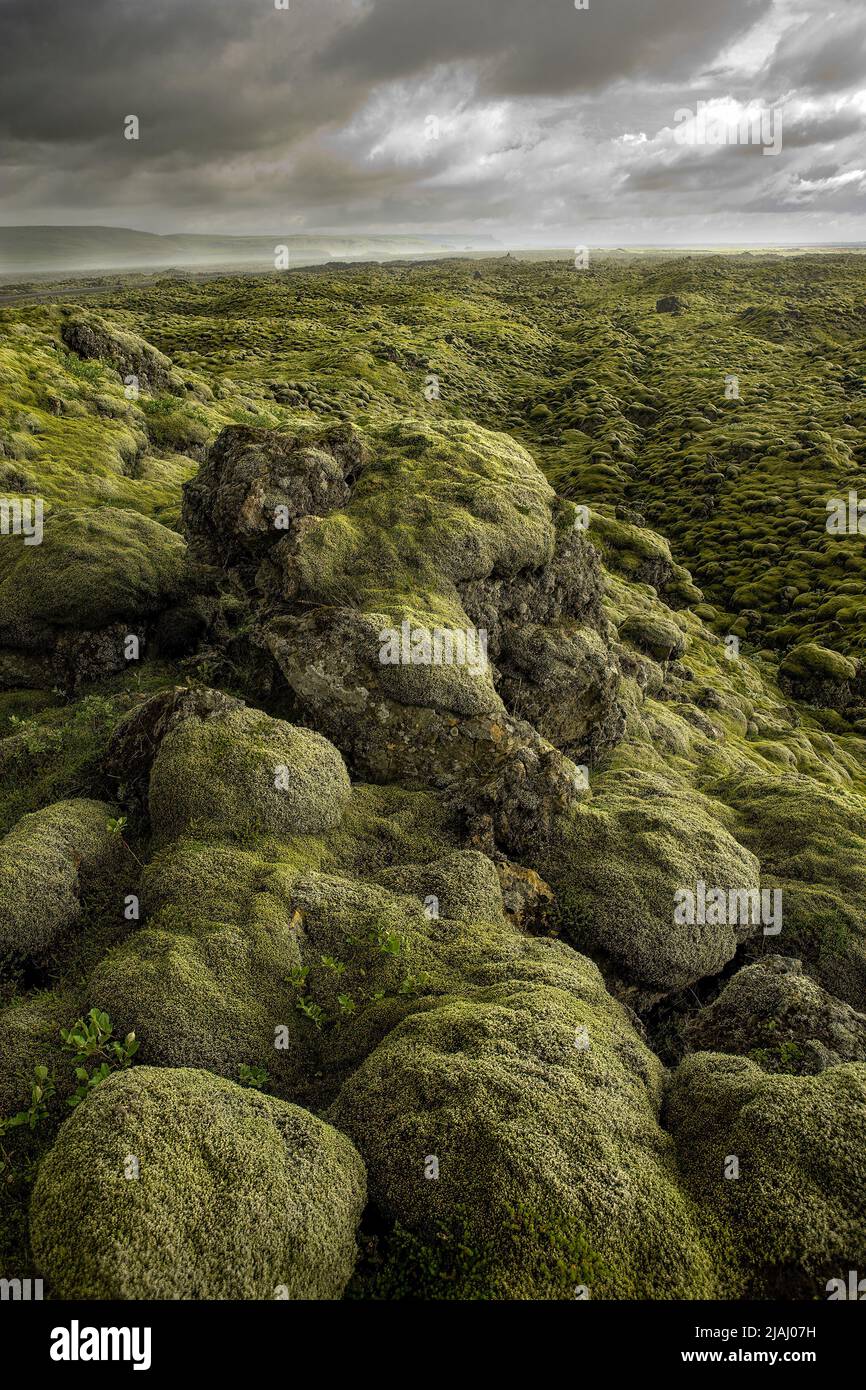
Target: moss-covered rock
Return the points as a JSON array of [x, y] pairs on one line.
[[411, 561], [44, 860], [811, 842], [256, 484], [818, 675], [245, 773], [655, 635], [91, 336], [91, 568], [773, 1012], [793, 1218], [177, 1184], [617, 867], [530, 1104]]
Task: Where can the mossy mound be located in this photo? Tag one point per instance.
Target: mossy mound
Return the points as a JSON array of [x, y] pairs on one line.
[[773, 1012], [177, 1184], [811, 842], [246, 774], [818, 676], [91, 336], [811, 661], [92, 568], [658, 637], [793, 1218], [43, 861], [30, 1037], [527, 1102], [617, 867]]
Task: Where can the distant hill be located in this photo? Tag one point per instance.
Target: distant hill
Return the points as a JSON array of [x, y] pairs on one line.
[[58, 250]]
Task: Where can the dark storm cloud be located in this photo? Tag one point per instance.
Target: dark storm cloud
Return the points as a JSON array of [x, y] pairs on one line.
[[826, 52], [207, 76], [539, 47], [253, 118]]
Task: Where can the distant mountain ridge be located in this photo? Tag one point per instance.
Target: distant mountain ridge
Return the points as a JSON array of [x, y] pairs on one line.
[[40, 249]]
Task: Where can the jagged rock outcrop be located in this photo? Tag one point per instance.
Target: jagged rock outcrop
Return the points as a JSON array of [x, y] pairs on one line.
[[468, 655]]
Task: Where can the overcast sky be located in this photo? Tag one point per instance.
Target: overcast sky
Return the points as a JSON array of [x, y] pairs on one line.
[[528, 120]]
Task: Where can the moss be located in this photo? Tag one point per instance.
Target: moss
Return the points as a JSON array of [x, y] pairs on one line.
[[559, 1263], [618, 865], [655, 635], [521, 1119], [230, 1194], [718, 771], [794, 1215], [91, 567], [91, 337], [809, 661], [439, 505], [30, 1037], [43, 861], [247, 774], [811, 842]]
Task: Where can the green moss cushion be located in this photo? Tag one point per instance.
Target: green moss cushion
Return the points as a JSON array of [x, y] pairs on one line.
[[178, 1184]]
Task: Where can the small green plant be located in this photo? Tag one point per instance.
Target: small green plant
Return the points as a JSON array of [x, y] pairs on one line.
[[116, 826], [256, 1078], [346, 1003], [337, 966], [87, 1082], [32, 1115], [412, 984], [90, 1038], [298, 976], [40, 1093], [311, 1010]]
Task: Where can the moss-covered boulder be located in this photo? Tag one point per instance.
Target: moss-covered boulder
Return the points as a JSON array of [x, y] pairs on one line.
[[620, 868], [69, 605], [246, 774], [654, 635], [408, 564], [92, 568], [44, 862], [775, 1013], [30, 1037], [531, 1109], [793, 1217], [811, 842], [818, 675], [91, 336], [177, 1184], [255, 485]]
